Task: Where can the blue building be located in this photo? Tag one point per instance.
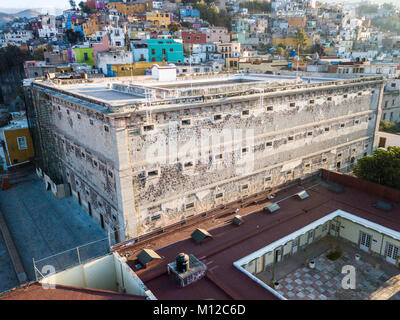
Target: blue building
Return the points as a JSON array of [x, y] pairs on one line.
[[194, 13], [169, 50]]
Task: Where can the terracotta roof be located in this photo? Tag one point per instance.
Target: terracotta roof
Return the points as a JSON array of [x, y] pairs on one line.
[[231, 243], [35, 291]]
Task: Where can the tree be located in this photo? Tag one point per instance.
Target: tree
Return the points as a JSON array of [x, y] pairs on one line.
[[213, 15], [256, 7], [382, 167], [84, 7], [391, 127], [73, 36], [38, 54], [301, 39], [174, 27], [72, 3]]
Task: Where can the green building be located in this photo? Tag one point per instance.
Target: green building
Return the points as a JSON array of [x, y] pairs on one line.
[[84, 55], [168, 50]]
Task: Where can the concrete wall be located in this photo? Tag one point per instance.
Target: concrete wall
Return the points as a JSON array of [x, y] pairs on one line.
[[388, 139], [106, 273]]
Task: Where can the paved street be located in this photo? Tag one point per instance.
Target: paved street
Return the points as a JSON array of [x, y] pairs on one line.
[[41, 226]]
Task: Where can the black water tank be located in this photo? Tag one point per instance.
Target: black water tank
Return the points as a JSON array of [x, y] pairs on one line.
[[182, 262]]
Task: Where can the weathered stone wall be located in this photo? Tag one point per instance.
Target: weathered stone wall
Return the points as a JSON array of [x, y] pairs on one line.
[[143, 173], [290, 140]]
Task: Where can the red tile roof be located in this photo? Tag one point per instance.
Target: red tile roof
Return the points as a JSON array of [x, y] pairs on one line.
[[231, 242]]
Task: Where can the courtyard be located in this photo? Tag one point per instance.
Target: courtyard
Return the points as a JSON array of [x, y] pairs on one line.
[[375, 278]]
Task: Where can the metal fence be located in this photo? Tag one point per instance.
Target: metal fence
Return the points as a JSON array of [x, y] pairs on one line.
[[74, 257]]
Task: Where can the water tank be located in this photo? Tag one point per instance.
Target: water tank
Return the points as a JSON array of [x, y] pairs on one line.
[[182, 262]]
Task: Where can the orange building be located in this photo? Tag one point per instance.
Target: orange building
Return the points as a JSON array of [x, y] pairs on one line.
[[17, 146], [130, 9], [91, 25], [297, 22]]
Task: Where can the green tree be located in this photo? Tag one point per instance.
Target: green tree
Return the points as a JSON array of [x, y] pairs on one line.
[[84, 7], [391, 127], [301, 40], [382, 167], [256, 7], [213, 15], [173, 27], [38, 54]]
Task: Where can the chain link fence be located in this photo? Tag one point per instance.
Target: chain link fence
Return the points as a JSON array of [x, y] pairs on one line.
[[73, 257]]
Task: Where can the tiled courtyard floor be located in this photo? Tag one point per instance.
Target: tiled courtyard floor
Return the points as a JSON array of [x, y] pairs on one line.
[[324, 282]]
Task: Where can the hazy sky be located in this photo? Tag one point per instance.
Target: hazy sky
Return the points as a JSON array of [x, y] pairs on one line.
[[34, 4], [62, 4]]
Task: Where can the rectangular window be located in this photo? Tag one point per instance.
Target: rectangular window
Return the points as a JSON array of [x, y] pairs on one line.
[[218, 156], [148, 128], [152, 173], [217, 117], [329, 99], [245, 112], [292, 104], [186, 122], [106, 129], [91, 122], [268, 144], [290, 138], [22, 145], [189, 205], [188, 164], [219, 195], [270, 108]]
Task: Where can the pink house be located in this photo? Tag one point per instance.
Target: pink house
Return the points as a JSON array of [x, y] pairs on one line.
[[104, 45]]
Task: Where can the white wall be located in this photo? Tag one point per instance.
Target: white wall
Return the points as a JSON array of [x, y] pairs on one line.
[[110, 272]]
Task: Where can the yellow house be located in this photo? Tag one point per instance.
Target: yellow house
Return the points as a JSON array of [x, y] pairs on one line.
[[90, 26], [232, 63], [17, 146], [135, 69], [130, 9], [159, 19], [290, 42]]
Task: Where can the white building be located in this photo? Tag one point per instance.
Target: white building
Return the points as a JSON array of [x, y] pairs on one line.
[[113, 57], [18, 36]]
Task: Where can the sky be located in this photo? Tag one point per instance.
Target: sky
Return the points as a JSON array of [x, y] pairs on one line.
[[32, 4], [64, 4]]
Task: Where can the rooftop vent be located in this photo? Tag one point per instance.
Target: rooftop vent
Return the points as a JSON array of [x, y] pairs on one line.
[[237, 220], [272, 207], [302, 195], [335, 188], [182, 263], [199, 235], [187, 269], [147, 256], [383, 205]]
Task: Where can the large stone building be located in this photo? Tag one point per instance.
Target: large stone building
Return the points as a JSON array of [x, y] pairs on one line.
[[142, 155]]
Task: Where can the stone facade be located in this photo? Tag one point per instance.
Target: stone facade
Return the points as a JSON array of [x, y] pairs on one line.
[[149, 164]]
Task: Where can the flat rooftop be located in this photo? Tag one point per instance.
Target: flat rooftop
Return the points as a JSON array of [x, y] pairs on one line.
[[231, 243], [115, 95]]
